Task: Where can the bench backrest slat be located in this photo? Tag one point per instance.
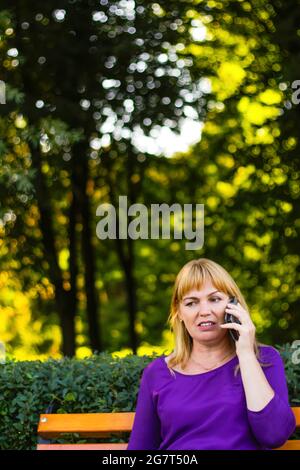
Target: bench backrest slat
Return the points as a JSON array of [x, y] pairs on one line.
[[296, 411], [85, 424], [103, 446]]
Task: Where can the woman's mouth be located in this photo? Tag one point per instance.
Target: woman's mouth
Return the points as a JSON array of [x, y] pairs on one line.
[[206, 325]]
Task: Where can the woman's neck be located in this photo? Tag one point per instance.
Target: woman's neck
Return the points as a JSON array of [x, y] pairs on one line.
[[215, 350]]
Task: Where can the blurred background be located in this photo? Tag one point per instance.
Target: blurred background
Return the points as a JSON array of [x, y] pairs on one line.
[[188, 102]]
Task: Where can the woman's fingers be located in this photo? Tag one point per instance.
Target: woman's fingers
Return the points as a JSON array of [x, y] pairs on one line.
[[233, 326], [239, 312]]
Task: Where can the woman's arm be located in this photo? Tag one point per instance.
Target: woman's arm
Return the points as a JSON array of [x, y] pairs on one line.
[[270, 416], [257, 389], [275, 422], [145, 434]]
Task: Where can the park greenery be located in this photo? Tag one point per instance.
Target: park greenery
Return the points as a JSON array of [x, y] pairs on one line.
[[82, 81]]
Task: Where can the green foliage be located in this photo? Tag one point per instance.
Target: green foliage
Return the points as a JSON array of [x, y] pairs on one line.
[[101, 383], [13, 94], [292, 371]]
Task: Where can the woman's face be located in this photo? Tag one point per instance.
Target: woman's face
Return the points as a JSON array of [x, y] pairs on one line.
[[202, 312]]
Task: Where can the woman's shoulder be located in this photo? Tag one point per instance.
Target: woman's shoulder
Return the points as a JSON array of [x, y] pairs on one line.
[[156, 368], [154, 365], [268, 352], [167, 358]]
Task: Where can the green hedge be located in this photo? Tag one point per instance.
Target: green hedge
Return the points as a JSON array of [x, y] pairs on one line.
[[97, 384]]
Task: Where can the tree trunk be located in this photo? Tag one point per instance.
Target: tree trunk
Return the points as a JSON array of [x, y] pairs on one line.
[[64, 299], [126, 258], [88, 250]]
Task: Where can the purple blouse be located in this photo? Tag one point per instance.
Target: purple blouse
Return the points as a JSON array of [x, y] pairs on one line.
[[208, 410]]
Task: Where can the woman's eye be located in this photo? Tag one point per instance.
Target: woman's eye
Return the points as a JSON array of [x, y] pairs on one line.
[[213, 299]]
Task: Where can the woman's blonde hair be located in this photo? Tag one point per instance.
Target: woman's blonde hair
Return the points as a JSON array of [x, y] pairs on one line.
[[194, 275]]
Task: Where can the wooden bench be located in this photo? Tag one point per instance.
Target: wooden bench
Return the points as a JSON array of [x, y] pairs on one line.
[[103, 425], [85, 425]]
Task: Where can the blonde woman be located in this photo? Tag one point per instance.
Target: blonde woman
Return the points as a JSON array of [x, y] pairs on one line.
[[213, 391]]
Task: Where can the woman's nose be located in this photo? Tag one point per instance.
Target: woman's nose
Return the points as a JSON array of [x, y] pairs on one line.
[[205, 308]]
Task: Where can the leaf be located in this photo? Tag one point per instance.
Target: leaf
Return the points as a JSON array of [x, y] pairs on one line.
[[70, 396]]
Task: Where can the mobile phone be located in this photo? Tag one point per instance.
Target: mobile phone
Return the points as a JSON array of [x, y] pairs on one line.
[[229, 318]]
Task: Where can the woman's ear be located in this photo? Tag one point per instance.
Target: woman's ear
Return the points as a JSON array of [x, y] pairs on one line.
[[178, 316]]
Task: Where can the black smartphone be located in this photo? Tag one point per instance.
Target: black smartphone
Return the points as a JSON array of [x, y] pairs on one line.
[[229, 318]]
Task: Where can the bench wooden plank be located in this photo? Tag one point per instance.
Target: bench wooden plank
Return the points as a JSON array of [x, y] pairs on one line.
[[296, 411], [85, 424], [290, 445], [102, 446]]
